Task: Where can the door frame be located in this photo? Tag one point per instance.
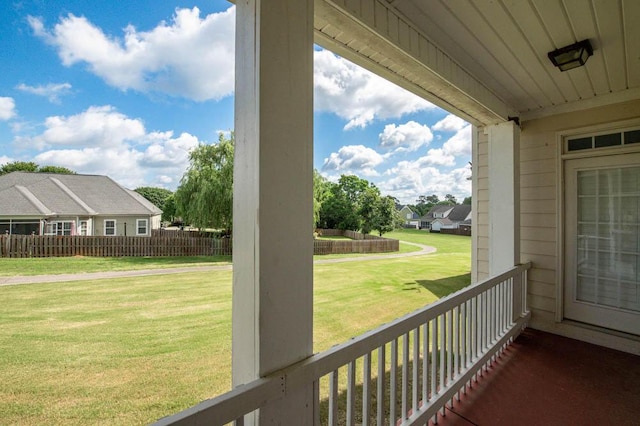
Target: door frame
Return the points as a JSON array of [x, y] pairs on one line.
[[599, 315], [562, 156]]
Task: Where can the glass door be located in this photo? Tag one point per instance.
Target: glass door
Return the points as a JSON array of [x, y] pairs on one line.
[[602, 240]]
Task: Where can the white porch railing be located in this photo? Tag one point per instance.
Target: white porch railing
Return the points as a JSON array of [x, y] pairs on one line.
[[422, 360]]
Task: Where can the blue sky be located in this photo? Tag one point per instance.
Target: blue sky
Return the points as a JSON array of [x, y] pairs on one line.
[[126, 89]]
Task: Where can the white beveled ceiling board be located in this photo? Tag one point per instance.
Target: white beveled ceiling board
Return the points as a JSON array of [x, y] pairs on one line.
[[504, 44], [487, 59], [632, 37], [433, 73]]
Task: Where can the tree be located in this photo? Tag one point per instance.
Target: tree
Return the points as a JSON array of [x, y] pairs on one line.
[[18, 166], [321, 191], [342, 207], [425, 203], [386, 217], [467, 200], [157, 196], [30, 166], [56, 169], [169, 210], [369, 208], [451, 199], [353, 187], [337, 211], [205, 196]]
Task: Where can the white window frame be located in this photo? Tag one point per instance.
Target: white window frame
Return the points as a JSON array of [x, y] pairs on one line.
[[58, 227], [83, 227], [115, 227], [146, 226]]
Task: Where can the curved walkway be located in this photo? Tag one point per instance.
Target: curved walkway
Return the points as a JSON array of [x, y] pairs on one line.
[[85, 276]]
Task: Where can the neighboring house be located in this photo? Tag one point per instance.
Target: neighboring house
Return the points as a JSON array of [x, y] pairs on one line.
[[57, 204], [454, 217], [410, 218], [436, 212]]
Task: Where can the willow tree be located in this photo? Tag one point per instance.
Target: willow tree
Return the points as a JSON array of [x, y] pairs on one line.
[[204, 198]]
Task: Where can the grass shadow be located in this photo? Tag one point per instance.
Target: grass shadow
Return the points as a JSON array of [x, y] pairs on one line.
[[443, 286]]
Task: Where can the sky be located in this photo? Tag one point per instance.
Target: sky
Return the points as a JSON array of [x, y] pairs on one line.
[[127, 89]]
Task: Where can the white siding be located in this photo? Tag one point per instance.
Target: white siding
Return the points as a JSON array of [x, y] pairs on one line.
[[481, 194]]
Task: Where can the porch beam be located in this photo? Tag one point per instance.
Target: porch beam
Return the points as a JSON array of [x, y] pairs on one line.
[[273, 213], [504, 196], [362, 32]]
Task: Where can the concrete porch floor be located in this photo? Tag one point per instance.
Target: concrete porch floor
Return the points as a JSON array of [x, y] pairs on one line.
[[545, 379]]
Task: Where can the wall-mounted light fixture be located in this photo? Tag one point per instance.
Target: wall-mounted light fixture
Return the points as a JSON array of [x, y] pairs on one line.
[[572, 56]]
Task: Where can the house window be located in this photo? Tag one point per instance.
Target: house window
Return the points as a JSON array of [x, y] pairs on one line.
[[83, 228], [604, 140], [59, 228], [110, 227], [142, 226]]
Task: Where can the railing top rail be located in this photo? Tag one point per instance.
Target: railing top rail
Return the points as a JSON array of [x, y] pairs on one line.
[[249, 397]]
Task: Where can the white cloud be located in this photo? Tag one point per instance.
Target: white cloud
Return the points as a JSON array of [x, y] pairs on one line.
[[405, 137], [358, 95], [51, 91], [460, 143], [354, 158], [189, 57], [97, 126], [450, 123], [7, 108], [165, 180], [409, 179], [104, 141], [437, 157], [119, 163], [4, 160], [165, 151]]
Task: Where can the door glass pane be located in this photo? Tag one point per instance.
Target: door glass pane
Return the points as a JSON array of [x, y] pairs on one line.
[[608, 228]]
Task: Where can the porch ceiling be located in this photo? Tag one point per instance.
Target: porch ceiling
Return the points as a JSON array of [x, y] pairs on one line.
[[486, 60]]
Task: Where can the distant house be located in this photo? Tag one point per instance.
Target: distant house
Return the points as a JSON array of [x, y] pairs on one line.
[[448, 217], [436, 212], [57, 204], [409, 217]]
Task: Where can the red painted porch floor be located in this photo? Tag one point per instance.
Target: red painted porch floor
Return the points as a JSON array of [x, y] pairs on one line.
[[545, 379]]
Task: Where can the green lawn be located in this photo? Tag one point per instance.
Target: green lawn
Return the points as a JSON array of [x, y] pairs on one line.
[[129, 351], [10, 267]]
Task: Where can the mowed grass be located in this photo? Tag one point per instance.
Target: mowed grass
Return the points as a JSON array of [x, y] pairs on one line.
[[11, 267], [130, 351]]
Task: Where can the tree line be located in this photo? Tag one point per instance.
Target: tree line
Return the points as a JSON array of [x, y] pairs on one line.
[[204, 198]]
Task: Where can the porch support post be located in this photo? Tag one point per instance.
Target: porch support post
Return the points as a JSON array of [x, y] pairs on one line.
[[273, 204], [504, 196]]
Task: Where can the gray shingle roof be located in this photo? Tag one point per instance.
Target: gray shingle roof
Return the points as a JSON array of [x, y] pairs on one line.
[[69, 195], [435, 209], [459, 212]]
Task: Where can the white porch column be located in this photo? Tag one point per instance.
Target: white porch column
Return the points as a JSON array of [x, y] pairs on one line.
[[504, 196], [273, 205]]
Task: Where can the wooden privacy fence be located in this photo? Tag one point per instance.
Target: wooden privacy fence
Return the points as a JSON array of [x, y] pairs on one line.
[[359, 243], [58, 246], [458, 231], [171, 243]]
